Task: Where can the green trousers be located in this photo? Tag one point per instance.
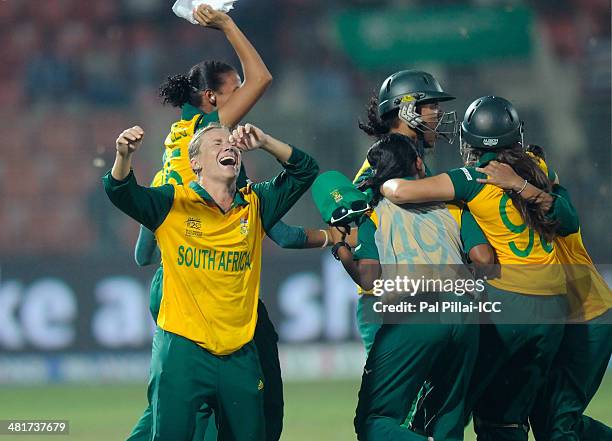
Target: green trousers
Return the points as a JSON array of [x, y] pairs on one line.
[[186, 378], [575, 376], [401, 359], [513, 361], [367, 330], [266, 341]]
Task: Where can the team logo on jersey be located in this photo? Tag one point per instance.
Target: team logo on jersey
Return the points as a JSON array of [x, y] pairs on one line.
[[336, 195], [193, 227], [260, 385], [490, 141], [244, 226]]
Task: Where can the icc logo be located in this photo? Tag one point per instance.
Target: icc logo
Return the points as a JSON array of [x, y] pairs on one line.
[[193, 227]]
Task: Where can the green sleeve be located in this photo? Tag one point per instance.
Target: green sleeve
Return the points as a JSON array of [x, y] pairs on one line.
[[464, 181], [366, 244], [471, 233], [243, 179], [147, 205], [206, 119], [290, 237], [146, 250], [279, 194], [564, 211], [285, 236]]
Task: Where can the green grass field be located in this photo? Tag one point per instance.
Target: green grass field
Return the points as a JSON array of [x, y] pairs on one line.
[[314, 410]]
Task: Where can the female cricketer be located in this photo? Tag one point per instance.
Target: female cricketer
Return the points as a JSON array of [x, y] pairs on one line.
[[417, 348], [408, 103], [585, 350], [212, 92], [210, 236], [520, 223]]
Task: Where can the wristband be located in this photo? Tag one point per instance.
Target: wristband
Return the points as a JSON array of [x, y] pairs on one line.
[[524, 186], [336, 247], [326, 238]]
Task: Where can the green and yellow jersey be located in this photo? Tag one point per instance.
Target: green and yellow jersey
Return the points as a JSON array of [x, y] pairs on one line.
[[588, 293], [212, 259], [176, 167], [523, 256], [158, 179]]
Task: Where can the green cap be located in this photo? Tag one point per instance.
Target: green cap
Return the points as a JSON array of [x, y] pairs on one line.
[[337, 199]]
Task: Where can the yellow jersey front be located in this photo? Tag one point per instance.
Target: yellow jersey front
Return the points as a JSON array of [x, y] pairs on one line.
[[212, 259], [212, 288]]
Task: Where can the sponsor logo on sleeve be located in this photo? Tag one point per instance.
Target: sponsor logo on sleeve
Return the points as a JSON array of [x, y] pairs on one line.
[[467, 174]]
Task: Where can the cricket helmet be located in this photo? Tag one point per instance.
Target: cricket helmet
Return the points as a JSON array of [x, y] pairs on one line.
[[490, 123], [416, 83]]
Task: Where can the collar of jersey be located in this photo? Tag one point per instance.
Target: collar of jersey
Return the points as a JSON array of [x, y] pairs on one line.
[[238, 197], [189, 111], [487, 157]]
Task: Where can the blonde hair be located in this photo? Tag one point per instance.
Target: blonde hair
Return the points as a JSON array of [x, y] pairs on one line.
[[194, 145]]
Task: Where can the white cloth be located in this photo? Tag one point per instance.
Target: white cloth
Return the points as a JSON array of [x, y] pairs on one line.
[[184, 8]]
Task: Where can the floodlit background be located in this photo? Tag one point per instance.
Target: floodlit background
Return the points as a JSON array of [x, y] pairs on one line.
[[74, 327]]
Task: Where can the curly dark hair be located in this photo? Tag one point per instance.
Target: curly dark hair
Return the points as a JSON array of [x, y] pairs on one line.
[[180, 89]]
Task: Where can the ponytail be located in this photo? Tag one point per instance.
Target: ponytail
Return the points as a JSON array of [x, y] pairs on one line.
[[375, 126], [177, 91]]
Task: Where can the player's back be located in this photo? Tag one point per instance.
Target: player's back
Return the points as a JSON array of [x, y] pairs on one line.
[[176, 165], [417, 234]]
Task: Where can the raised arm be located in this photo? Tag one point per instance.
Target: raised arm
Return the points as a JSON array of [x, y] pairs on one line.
[[149, 206], [257, 77], [433, 189], [279, 194]]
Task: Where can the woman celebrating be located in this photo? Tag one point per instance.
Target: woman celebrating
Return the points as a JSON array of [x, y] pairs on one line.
[[212, 92], [520, 223], [408, 349]]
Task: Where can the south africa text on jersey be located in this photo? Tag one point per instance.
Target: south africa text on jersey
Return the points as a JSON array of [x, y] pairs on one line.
[[213, 260]]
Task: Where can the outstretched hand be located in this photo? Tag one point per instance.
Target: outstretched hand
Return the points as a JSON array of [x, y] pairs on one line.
[[248, 137], [129, 140]]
